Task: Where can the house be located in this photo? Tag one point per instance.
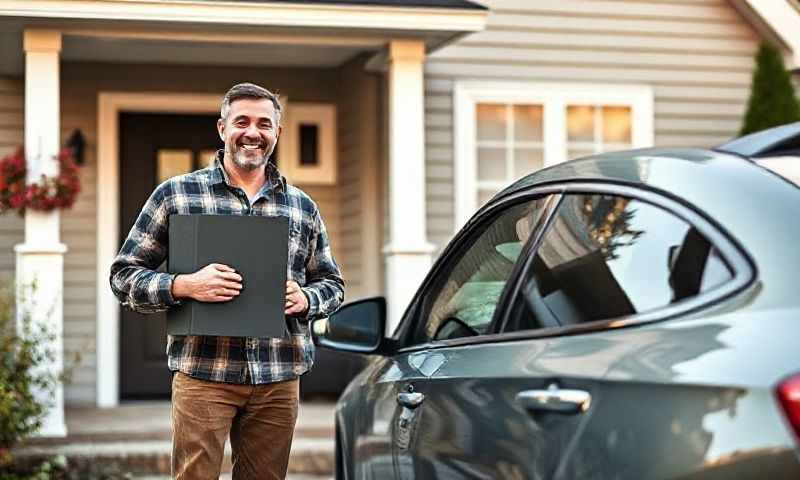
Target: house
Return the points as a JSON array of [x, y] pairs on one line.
[[402, 116]]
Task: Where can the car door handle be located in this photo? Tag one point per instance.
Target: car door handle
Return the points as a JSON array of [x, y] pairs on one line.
[[410, 400], [555, 399]]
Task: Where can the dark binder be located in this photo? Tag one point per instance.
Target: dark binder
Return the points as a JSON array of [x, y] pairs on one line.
[[257, 247]]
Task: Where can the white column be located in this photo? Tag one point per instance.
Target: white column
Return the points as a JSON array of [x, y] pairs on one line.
[[408, 253], [40, 260]]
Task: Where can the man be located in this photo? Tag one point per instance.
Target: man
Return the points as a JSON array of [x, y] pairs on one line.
[[245, 387]]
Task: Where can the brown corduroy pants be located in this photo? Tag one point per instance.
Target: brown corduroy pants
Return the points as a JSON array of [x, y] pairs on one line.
[[260, 420]]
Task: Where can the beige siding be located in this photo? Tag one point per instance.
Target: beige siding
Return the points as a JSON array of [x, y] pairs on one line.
[[358, 155], [696, 55], [81, 83], [12, 230]]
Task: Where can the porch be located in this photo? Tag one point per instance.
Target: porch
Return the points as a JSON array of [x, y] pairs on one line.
[[135, 438], [74, 68]]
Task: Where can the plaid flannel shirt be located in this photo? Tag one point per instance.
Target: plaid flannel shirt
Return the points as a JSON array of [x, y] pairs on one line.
[[138, 286]]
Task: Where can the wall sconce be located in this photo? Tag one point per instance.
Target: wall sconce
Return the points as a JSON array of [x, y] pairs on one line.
[[77, 143]]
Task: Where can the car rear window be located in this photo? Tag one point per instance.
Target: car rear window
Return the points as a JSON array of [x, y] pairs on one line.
[[606, 256]]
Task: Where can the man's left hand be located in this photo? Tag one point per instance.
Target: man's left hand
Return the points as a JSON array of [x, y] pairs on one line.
[[296, 301]]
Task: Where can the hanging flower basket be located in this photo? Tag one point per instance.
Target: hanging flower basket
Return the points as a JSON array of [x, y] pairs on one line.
[[45, 195]]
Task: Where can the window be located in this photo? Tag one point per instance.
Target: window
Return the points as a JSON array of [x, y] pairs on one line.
[[308, 144], [171, 162], [506, 130], [594, 129], [509, 144], [606, 256], [465, 295]]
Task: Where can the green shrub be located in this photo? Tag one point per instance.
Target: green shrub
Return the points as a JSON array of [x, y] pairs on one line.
[[772, 97], [25, 355]]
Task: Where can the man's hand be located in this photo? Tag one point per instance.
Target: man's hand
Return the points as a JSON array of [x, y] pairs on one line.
[[212, 283], [296, 301]]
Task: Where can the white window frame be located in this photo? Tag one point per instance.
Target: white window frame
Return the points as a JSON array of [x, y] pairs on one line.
[[554, 98], [323, 115]]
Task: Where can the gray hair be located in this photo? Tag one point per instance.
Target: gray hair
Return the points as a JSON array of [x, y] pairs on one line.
[[248, 90]]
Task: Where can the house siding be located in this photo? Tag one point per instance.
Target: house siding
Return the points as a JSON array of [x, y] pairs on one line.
[[81, 83], [358, 150], [12, 227], [697, 56]]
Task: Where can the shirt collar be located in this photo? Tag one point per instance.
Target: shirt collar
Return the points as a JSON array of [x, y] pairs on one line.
[[274, 177]]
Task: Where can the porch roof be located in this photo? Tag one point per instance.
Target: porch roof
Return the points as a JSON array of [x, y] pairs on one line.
[[388, 3], [321, 33]]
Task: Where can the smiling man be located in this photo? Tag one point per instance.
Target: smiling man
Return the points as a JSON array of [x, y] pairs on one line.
[[243, 387]]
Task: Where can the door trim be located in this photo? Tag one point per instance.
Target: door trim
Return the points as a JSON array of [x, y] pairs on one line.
[[109, 106]]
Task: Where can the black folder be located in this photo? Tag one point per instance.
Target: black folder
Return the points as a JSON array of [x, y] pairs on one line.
[[257, 247]]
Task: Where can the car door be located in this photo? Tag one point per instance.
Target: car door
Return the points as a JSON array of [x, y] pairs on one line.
[[636, 285], [450, 400]]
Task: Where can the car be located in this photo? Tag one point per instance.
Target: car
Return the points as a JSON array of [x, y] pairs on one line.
[[625, 315]]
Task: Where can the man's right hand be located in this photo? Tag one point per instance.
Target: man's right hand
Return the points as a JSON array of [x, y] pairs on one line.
[[213, 283]]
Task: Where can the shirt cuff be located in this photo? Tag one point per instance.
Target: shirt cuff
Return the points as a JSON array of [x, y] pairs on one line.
[[165, 289], [313, 303]]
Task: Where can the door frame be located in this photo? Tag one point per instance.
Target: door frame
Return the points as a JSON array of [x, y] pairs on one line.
[[110, 105]]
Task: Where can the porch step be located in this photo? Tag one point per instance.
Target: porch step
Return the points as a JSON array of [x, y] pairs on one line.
[[136, 438], [309, 456]]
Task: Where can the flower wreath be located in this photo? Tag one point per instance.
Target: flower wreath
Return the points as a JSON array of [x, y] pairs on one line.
[[45, 195]]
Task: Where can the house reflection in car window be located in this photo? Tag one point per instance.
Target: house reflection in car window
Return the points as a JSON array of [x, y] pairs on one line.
[[609, 256]]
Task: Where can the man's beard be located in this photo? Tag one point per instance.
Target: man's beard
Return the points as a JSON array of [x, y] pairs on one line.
[[247, 161]]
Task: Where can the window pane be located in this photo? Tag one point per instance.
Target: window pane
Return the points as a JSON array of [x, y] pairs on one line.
[[492, 164], [170, 163], [465, 296], [527, 160], [608, 256], [484, 195], [616, 125], [206, 158], [309, 140], [491, 121], [578, 153], [580, 123], [528, 123]]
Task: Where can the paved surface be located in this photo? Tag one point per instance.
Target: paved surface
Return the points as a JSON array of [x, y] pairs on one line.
[[136, 437], [153, 417]]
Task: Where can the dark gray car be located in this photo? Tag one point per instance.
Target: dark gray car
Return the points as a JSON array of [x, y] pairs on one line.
[[627, 315]]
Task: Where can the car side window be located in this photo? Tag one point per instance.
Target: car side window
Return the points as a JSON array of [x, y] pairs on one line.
[[465, 293], [606, 256]]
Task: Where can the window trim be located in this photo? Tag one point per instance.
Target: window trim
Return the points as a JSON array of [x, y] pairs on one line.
[[743, 269], [410, 324], [554, 97], [323, 116]]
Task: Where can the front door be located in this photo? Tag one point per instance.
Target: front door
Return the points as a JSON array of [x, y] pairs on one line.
[[153, 147]]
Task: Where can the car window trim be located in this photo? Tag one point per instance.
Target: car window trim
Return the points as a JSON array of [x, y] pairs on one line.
[[735, 258], [552, 203], [407, 330], [743, 268]]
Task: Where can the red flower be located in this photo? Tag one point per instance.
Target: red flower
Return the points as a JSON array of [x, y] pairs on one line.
[[46, 194]]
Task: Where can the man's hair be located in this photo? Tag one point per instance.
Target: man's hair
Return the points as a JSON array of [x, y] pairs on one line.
[[248, 90]]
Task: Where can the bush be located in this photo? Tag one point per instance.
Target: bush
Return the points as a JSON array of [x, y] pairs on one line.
[[24, 357], [772, 97]]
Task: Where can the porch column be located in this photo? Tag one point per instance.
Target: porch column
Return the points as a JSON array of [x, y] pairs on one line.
[[40, 259], [408, 253]]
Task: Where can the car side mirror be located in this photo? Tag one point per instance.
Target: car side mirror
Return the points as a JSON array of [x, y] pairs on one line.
[[356, 327]]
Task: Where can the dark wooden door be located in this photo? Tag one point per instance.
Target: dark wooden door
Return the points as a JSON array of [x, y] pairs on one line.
[[152, 148]]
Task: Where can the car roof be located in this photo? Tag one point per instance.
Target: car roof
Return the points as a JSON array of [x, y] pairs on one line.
[[675, 170], [781, 140]]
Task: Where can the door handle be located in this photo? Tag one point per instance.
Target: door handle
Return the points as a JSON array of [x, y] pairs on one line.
[[410, 400], [555, 399]]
